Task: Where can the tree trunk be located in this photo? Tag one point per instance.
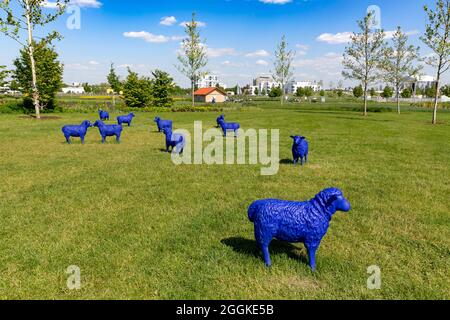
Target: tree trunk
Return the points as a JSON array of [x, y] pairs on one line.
[[193, 95], [365, 100], [34, 88], [398, 100], [436, 100]]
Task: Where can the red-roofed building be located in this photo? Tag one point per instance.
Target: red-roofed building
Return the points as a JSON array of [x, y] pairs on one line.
[[210, 95]]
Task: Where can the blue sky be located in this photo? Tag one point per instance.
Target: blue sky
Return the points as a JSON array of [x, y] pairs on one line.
[[241, 35]]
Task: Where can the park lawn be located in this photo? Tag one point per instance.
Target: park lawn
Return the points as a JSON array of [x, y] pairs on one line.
[[140, 227]]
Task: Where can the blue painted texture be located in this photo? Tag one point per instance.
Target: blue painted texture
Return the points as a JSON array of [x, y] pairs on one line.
[[305, 222], [126, 119], [219, 119], [76, 131], [104, 115], [108, 130], [174, 141], [163, 124], [300, 150]]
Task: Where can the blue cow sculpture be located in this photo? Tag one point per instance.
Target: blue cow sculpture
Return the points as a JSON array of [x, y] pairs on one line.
[[174, 141], [162, 124], [294, 222], [229, 127], [126, 119], [300, 150], [76, 131], [104, 115], [109, 130]]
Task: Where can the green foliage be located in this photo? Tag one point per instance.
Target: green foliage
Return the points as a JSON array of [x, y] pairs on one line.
[[263, 92], [114, 80], [322, 93], [407, 93], [373, 92], [340, 93], [387, 92], [430, 91], [137, 91], [445, 90], [300, 92], [3, 74], [162, 89], [358, 91], [283, 65], [275, 92], [48, 74], [256, 91]]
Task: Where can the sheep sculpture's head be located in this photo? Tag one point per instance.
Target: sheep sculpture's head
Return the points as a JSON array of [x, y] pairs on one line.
[[87, 124], [132, 115], [157, 119], [98, 123], [298, 139], [333, 200]]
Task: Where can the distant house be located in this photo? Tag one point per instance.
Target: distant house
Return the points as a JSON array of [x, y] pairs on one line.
[[75, 88], [210, 95]]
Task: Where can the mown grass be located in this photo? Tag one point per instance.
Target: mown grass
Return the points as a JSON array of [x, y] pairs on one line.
[[140, 227]]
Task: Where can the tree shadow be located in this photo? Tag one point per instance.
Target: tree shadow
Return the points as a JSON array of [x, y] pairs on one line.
[[250, 248]]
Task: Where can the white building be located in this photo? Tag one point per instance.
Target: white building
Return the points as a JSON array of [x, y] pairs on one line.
[[263, 84], [210, 81], [294, 85], [75, 88]]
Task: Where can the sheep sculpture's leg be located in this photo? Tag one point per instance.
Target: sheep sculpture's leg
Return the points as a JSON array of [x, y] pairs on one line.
[[103, 139], [82, 139], [68, 139], [118, 138], [312, 249]]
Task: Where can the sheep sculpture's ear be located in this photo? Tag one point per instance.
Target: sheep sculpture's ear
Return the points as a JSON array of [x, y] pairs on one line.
[[292, 137]]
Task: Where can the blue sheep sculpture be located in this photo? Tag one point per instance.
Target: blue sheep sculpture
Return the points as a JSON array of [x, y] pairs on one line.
[[300, 150], [126, 119], [104, 115], [294, 222], [219, 119], [229, 127], [162, 124], [174, 141], [108, 130], [76, 131]]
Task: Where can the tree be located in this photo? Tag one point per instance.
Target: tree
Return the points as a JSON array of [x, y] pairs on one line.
[[362, 57], [162, 89], [407, 93], [430, 91], [275, 92], [283, 65], [445, 90], [437, 38], [358, 91], [309, 92], [194, 57], [322, 93], [300, 92], [387, 92], [48, 75], [256, 92], [114, 80], [340, 93], [399, 64], [264, 92], [137, 90], [26, 15], [373, 92], [3, 74], [87, 88], [340, 84]]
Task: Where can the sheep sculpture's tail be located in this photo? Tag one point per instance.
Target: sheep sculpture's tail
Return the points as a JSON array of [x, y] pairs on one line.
[[253, 211]]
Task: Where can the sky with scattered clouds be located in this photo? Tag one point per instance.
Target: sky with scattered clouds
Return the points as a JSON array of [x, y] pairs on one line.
[[240, 36]]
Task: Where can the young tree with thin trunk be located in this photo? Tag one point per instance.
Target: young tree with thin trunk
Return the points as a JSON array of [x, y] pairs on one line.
[[114, 82], [3, 74], [20, 20], [283, 66], [193, 58], [362, 57], [399, 64], [437, 37]]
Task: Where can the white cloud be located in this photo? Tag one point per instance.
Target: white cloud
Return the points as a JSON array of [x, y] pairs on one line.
[[93, 63], [275, 1], [200, 24], [345, 37], [302, 47], [80, 3], [219, 52], [228, 63], [150, 37], [262, 63], [301, 53], [168, 21], [258, 53], [338, 38]]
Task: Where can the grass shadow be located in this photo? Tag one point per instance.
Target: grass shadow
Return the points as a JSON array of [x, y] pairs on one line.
[[287, 161], [250, 248]]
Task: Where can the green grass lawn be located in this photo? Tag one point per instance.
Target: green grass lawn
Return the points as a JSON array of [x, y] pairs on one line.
[[140, 227]]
